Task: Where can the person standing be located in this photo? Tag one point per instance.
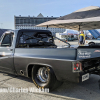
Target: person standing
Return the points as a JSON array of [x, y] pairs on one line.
[[81, 38]]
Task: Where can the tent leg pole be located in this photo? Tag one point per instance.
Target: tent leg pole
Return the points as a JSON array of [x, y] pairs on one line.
[[47, 26], [79, 28], [78, 35]]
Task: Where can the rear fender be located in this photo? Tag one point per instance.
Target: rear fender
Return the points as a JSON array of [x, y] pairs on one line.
[[40, 64]]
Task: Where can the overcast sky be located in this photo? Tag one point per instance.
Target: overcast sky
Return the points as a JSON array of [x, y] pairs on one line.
[[56, 8]]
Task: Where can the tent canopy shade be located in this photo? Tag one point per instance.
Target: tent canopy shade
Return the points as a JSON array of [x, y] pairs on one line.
[[82, 14], [83, 24], [88, 8], [82, 19]]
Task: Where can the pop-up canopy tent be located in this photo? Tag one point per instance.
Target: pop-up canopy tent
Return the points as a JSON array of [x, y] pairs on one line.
[[70, 32], [84, 19]]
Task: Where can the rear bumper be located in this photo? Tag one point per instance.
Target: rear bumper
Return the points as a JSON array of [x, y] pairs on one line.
[[83, 76]]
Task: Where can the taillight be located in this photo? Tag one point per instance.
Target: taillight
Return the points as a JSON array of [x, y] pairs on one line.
[[77, 67]]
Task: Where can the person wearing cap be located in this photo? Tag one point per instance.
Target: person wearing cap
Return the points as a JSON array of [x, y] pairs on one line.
[[81, 38]]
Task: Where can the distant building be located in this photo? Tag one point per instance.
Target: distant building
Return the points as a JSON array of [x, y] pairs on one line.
[[22, 22]]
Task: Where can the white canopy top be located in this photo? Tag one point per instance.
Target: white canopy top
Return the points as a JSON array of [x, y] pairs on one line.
[[79, 20], [85, 24], [88, 8]]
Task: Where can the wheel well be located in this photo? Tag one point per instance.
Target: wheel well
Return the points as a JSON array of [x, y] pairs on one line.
[[91, 42], [29, 69]]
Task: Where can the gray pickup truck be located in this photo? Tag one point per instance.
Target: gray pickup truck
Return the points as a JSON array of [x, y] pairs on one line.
[[33, 54]]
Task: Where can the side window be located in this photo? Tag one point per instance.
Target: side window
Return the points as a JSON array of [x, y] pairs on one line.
[[7, 40]]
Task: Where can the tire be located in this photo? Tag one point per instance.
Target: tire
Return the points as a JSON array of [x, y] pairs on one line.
[[51, 83]]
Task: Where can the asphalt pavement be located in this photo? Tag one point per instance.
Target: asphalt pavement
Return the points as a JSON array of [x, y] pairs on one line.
[[88, 90]]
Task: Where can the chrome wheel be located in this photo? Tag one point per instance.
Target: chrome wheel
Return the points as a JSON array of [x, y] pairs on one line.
[[43, 75]]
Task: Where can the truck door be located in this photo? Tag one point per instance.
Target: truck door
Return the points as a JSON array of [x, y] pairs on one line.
[[6, 53]]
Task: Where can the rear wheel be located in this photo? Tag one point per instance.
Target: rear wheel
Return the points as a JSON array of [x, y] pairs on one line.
[[44, 77]]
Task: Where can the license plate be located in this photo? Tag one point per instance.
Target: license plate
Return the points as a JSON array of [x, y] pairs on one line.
[[85, 77]]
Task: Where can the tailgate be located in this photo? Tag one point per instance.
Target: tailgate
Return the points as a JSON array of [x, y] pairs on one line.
[[87, 53], [90, 60]]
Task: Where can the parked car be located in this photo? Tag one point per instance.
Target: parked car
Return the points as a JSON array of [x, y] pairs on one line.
[[92, 41]]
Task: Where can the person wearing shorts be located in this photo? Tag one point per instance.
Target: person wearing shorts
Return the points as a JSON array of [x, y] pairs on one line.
[[81, 38]]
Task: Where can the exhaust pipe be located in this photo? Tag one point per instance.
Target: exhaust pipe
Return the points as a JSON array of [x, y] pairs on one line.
[[22, 73]]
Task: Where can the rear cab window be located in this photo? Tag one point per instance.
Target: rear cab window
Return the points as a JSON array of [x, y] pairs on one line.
[[35, 39]]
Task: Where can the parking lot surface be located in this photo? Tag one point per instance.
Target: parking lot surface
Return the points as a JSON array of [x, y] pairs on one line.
[[88, 90]]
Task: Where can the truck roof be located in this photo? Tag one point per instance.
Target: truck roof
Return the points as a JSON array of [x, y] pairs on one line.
[[35, 30], [29, 30]]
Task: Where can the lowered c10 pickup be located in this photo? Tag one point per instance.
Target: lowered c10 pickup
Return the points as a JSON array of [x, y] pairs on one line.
[[33, 54]]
